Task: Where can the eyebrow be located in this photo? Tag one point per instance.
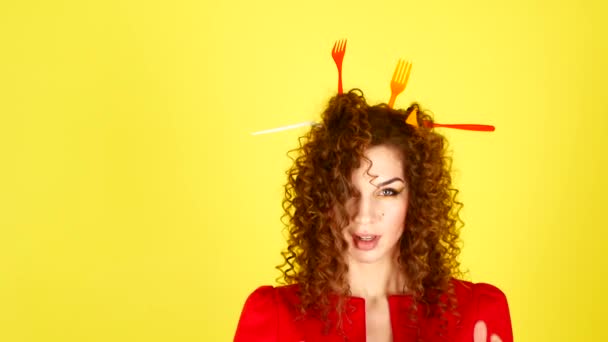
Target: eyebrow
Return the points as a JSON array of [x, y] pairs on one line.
[[390, 181]]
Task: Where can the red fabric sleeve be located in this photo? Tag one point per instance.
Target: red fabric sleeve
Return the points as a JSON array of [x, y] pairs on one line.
[[493, 309], [259, 318]]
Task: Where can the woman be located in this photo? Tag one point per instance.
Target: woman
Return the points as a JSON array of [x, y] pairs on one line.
[[373, 238]]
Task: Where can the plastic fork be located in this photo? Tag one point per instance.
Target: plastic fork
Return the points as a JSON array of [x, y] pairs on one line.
[[338, 55], [468, 127], [399, 81]]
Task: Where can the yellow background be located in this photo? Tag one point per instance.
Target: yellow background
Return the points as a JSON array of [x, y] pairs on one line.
[[136, 206]]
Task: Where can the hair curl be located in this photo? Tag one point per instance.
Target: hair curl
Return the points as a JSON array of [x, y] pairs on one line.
[[318, 185]]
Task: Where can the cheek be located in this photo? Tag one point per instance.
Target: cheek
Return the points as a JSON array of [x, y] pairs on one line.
[[394, 218]]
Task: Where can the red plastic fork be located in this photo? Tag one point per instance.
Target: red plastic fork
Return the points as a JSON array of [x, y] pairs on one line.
[[338, 55], [468, 127]]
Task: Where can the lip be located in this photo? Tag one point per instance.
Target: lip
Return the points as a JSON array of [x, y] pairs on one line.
[[365, 245]]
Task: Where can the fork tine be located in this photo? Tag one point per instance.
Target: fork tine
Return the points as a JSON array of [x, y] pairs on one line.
[[407, 73], [396, 73], [339, 46]]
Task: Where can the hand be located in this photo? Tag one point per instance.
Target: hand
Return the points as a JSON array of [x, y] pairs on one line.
[[480, 333]]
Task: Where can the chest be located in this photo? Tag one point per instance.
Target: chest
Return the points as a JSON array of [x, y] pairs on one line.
[[378, 321], [366, 321]]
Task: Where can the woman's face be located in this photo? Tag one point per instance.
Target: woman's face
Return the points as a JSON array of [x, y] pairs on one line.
[[379, 213]]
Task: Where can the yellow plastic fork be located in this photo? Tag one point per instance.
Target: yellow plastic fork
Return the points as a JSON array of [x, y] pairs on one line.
[[399, 81]]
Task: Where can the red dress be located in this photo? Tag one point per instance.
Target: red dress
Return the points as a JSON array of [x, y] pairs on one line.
[[267, 316]]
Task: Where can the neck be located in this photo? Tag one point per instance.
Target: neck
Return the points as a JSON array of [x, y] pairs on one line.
[[377, 280]]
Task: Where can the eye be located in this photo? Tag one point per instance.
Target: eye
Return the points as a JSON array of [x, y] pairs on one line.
[[389, 192]]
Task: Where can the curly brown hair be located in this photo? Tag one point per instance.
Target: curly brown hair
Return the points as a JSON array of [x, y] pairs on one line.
[[318, 186]]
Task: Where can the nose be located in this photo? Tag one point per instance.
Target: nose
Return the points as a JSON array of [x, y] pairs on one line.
[[366, 211]]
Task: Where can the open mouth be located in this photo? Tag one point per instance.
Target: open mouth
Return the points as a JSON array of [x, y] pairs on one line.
[[365, 242]]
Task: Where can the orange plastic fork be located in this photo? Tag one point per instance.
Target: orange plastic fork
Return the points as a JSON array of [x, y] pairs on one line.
[[338, 55], [399, 81]]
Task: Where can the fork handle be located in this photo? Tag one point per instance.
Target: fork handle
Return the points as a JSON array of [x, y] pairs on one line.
[[391, 102]]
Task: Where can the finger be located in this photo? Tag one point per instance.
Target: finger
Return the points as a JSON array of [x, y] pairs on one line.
[[495, 338], [480, 332]]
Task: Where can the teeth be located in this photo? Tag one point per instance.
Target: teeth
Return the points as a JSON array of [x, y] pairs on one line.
[[366, 238]]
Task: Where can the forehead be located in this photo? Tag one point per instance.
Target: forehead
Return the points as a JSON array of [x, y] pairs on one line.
[[386, 163]]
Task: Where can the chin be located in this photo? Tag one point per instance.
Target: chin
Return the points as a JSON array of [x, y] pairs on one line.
[[367, 257]]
